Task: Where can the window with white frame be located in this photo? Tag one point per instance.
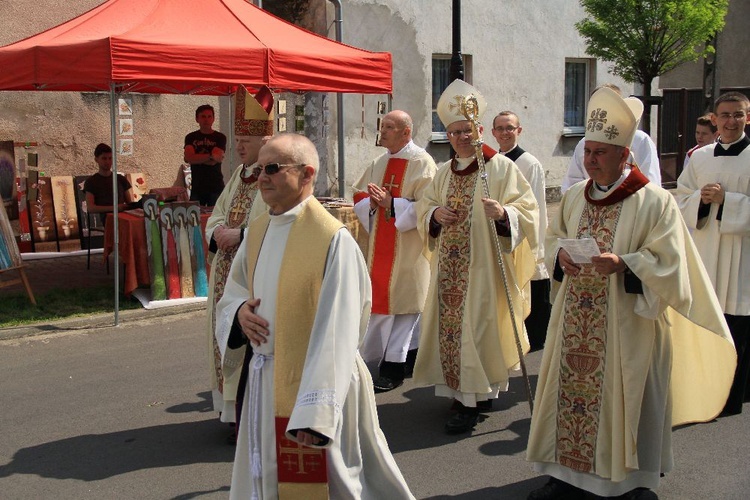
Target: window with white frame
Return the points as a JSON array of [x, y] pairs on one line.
[[577, 86], [441, 64]]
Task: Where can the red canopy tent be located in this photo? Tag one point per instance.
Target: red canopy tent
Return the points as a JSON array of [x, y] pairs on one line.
[[186, 47]]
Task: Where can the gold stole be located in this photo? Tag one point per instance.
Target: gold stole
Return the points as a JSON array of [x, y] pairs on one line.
[[584, 348], [454, 256], [301, 470]]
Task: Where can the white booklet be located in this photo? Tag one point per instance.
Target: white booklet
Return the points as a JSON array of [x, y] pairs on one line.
[[580, 250]]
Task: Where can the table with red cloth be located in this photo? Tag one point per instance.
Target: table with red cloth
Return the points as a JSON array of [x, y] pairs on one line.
[[133, 246]]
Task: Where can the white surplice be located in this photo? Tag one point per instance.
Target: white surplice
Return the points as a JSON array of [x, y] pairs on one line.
[[335, 396], [724, 243]]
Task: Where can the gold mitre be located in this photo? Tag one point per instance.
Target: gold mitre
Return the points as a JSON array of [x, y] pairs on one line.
[[612, 119], [452, 102], [253, 115]]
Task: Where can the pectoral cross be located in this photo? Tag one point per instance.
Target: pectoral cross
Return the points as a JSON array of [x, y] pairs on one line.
[[391, 184], [236, 214], [454, 201], [294, 457]]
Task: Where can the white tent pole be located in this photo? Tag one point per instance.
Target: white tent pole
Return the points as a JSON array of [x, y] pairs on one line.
[[115, 201]]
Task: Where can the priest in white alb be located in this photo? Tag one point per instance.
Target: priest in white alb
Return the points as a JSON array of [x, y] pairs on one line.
[[385, 198], [299, 292], [637, 342]]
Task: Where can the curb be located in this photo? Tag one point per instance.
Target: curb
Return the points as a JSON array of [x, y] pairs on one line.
[[97, 321]]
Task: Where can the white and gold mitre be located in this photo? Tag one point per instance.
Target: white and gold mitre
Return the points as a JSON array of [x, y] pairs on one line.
[[454, 101], [612, 119], [253, 115]]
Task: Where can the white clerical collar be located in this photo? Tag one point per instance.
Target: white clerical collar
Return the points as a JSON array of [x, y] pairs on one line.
[[599, 192], [407, 151], [507, 152], [463, 163], [729, 144], [290, 215]]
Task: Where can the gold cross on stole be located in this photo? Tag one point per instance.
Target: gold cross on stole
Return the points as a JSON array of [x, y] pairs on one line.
[[390, 185], [454, 201], [294, 456], [236, 214]]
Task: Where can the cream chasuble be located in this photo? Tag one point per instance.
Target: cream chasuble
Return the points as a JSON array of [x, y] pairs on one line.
[[335, 397], [467, 345], [614, 378], [400, 273], [232, 210]]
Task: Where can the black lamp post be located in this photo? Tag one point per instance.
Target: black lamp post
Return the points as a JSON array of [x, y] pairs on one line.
[[457, 62]]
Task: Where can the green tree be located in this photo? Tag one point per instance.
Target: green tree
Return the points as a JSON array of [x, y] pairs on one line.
[[646, 38], [290, 10]]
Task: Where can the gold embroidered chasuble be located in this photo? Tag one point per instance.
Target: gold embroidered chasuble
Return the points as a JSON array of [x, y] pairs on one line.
[[405, 278], [301, 470], [467, 344], [584, 345], [233, 210], [602, 342]]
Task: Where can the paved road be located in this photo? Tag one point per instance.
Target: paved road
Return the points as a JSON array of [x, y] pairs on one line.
[[121, 413]]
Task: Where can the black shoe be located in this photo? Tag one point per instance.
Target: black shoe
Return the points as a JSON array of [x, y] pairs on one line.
[[485, 405], [232, 438], [461, 422], [385, 384], [411, 359], [639, 494], [556, 490]]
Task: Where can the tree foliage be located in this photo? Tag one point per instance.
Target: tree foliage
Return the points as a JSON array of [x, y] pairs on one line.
[[290, 10], [646, 38]]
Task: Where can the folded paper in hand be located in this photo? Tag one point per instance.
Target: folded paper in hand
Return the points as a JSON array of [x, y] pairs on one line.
[[580, 250]]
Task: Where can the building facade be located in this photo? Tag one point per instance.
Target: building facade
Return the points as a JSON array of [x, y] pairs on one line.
[[683, 88], [522, 57]]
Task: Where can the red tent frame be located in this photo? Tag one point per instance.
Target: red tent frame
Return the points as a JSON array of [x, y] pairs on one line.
[[188, 47], [204, 47]]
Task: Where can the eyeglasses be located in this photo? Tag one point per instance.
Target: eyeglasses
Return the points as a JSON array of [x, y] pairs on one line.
[[739, 116], [508, 128], [459, 133], [275, 168]]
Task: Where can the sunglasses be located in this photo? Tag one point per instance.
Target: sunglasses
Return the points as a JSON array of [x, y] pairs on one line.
[[275, 168]]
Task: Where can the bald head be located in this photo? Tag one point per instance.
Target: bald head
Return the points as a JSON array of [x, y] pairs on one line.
[[294, 148], [395, 131], [295, 165], [401, 118]]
